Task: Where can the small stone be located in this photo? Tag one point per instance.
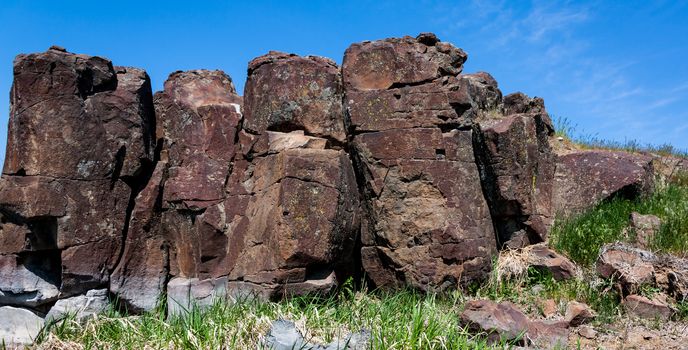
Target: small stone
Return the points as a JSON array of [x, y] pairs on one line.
[[283, 335], [549, 308], [57, 48], [547, 334], [643, 307], [578, 313], [429, 39], [503, 321], [587, 332], [542, 257]]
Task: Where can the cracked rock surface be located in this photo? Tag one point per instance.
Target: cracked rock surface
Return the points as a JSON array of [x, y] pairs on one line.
[[396, 167]]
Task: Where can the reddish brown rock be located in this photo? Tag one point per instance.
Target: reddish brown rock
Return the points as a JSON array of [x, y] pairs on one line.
[[504, 322], [630, 266], [655, 308], [383, 64], [547, 334], [584, 178], [139, 278], [299, 225], [517, 167], [499, 321], [80, 144], [542, 257], [578, 313], [286, 92], [427, 224], [549, 308]]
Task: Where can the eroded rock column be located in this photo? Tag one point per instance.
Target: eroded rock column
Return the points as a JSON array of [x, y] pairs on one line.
[[426, 222], [79, 148]]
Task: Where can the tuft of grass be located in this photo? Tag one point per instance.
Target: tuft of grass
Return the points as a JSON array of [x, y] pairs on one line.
[[564, 128], [581, 237]]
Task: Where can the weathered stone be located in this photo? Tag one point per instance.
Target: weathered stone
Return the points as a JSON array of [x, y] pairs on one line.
[[655, 308], [549, 308], [197, 119], [384, 64], [587, 332], [632, 267], [22, 283], [81, 307], [187, 294], [303, 211], [287, 92], [80, 143], [578, 313], [426, 221], [547, 335], [503, 321], [670, 169], [139, 279], [18, 326], [584, 178], [542, 257], [517, 166], [645, 227]]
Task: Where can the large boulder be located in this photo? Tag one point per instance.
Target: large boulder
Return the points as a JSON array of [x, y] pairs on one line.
[[427, 223], [518, 167], [252, 204], [585, 178], [79, 148], [291, 212], [286, 92]]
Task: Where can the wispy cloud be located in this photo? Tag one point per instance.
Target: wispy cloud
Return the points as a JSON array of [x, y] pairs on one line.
[[548, 45]]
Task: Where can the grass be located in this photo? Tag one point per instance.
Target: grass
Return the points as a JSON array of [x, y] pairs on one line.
[[565, 129], [581, 237], [401, 320], [396, 320]]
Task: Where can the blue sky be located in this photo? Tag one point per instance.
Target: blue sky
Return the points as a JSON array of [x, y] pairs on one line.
[[615, 69]]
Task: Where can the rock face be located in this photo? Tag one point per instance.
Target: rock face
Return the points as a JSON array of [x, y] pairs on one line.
[[79, 149], [518, 168], [584, 178], [426, 221], [397, 167]]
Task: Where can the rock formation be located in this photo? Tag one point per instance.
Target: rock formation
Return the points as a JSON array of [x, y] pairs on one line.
[[78, 151], [397, 167]]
